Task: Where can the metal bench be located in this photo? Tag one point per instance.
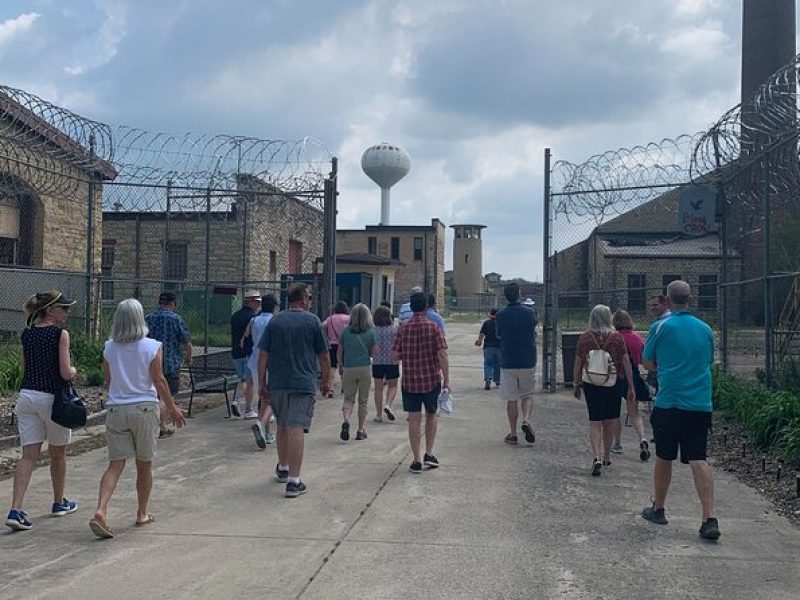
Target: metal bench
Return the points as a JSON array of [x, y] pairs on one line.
[[212, 373]]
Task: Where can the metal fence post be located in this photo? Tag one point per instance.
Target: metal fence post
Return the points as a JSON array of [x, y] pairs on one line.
[[722, 215], [768, 358], [208, 269], [328, 292], [547, 322], [90, 241]]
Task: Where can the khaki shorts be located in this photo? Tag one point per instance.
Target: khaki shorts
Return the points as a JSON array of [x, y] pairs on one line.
[[34, 422], [132, 430], [292, 409], [518, 384]]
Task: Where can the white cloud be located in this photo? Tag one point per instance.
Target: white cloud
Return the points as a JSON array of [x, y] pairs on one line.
[[10, 29], [101, 48]]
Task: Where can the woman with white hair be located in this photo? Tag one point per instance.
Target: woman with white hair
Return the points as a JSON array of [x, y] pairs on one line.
[[135, 381], [357, 344], [600, 358]]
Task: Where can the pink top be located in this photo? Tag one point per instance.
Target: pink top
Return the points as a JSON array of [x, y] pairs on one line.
[[334, 326], [634, 344]]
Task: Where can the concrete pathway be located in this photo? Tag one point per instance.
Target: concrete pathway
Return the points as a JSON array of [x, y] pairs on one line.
[[493, 522]]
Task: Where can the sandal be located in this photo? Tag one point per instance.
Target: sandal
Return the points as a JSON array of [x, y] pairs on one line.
[[165, 433], [511, 439], [101, 529], [147, 521]]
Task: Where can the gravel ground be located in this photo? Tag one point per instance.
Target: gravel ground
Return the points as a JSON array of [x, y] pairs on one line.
[[726, 446]]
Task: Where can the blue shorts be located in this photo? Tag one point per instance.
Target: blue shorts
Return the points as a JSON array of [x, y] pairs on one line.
[[413, 403], [242, 370]]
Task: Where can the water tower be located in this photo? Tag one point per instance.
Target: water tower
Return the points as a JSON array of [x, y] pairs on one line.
[[468, 259], [385, 164]]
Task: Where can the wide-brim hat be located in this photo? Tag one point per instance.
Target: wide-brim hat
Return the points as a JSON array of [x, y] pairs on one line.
[[416, 289], [61, 300], [252, 295]]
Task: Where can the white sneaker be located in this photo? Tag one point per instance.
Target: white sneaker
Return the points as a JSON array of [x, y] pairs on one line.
[[272, 418], [251, 414]]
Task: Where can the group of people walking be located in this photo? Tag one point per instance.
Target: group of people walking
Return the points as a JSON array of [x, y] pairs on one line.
[[291, 355]]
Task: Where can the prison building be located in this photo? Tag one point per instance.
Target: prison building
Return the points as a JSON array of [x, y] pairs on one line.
[[418, 249]]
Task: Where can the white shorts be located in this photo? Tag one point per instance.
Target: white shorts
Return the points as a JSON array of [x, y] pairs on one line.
[[34, 422], [517, 384]]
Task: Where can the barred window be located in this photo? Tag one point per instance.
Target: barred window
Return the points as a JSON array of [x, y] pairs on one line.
[[707, 292], [372, 245], [8, 251], [396, 248], [637, 292], [417, 248], [666, 280], [107, 257], [176, 264]]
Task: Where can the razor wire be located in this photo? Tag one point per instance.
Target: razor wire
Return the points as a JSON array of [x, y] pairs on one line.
[[610, 183]]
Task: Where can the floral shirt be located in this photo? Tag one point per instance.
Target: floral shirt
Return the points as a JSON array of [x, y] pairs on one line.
[[170, 329], [385, 338]]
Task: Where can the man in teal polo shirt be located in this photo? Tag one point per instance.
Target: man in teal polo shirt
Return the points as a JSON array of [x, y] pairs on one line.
[[681, 348]]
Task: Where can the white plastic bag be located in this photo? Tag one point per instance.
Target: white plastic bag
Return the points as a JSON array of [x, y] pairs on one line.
[[445, 402]]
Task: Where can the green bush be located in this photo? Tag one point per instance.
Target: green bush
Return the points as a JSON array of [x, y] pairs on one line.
[[95, 377], [772, 418], [10, 371]]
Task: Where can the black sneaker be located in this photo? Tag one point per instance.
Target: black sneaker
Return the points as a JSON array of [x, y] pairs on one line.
[[528, 431], [293, 490], [709, 530], [644, 450], [235, 410], [487, 385], [430, 461], [281, 475], [654, 515], [416, 467], [596, 467], [344, 434]]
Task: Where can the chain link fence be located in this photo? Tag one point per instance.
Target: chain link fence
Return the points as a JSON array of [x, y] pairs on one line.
[[111, 212], [718, 209]]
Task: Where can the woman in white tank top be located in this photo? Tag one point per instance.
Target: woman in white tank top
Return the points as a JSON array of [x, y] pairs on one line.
[[135, 380]]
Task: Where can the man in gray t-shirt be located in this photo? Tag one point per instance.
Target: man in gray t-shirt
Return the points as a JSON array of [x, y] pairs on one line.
[[291, 346]]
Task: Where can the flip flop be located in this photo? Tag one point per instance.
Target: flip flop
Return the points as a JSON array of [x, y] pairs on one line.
[[150, 519], [101, 529]]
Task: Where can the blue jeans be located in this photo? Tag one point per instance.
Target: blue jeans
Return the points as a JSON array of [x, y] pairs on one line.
[[491, 364]]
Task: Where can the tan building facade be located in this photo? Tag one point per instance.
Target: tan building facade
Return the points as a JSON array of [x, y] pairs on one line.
[[468, 260], [257, 238], [420, 248]]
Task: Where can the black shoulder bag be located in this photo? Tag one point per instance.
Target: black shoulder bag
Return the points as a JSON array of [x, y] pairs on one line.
[[68, 408]]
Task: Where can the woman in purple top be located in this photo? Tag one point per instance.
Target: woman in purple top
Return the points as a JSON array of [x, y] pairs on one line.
[[635, 345], [385, 371]]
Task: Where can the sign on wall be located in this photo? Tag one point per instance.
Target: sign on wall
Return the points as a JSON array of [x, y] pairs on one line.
[[697, 210]]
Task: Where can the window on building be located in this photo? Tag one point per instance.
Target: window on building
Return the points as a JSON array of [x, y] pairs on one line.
[[372, 245], [637, 292], [8, 251], [395, 248], [107, 271], [666, 280], [707, 292], [417, 248], [176, 263], [273, 264]]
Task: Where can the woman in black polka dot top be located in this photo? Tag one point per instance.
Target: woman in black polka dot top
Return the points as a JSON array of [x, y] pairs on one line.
[[46, 366]]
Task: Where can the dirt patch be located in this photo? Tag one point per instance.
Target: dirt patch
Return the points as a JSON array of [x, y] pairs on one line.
[[732, 450]]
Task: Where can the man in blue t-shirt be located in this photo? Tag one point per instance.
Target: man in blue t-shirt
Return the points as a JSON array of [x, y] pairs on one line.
[[681, 348], [515, 325], [291, 346]]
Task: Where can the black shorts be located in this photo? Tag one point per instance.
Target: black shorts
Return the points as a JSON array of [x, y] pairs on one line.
[[174, 382], [333, 352], [413, 403], [388, 372], [604, 403], [687, 429]]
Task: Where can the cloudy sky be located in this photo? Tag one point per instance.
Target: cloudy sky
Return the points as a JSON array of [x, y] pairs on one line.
[[474, 90]]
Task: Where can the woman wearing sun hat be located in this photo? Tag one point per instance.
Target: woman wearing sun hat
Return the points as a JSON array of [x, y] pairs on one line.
[[46, 366]]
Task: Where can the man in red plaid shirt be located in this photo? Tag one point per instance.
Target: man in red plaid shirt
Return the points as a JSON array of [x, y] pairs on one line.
[[422, 349]]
